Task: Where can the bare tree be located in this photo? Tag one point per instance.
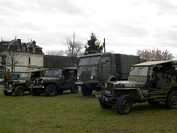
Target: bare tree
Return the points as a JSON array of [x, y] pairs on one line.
[[12, 59], [149, 55], [56, 53], [73, 47]]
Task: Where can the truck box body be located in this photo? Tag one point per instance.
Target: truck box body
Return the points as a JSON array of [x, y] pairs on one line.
[[123, 63]]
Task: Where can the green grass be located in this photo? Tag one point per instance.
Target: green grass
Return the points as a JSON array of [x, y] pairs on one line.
[[74, 113]]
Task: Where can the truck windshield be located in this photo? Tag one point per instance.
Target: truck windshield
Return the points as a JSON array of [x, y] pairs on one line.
[[89, 60], [94, 60], [84, 61], [139, 71]]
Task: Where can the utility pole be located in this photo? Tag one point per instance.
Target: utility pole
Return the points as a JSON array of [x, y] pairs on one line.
[[104, 46]]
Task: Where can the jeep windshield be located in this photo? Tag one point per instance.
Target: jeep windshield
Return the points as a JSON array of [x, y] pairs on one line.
[[53, 73], [139, 71], [89, 61], [24, 75]]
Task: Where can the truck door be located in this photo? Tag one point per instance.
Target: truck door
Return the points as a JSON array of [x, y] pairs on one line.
[[105, 63]]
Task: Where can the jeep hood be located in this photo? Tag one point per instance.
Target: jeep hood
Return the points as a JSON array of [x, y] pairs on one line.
[[127, 84], [48, 78]]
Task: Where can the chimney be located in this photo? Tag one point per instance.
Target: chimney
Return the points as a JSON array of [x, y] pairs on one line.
[[34, 46], [18, 44]]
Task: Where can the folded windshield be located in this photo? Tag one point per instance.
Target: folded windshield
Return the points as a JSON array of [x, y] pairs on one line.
[[139, 71], [53, 73]]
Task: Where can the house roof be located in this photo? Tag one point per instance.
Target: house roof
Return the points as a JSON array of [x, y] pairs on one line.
[[22, 47]]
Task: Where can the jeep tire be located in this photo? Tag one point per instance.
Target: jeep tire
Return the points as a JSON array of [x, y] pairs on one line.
[[103, 103], [124, 104], [86, 91], [74, 89], [7, 93], [50, 90], [19, 90], [172, 100]]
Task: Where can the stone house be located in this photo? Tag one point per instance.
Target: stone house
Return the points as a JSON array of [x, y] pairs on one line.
[[20, 56]]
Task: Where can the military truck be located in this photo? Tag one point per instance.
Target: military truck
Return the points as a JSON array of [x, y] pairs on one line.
[[96, 68], [20, 82], [152, 82], [55, 81]]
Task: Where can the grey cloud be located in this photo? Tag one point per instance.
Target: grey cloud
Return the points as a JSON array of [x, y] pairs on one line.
[[129, 30], [166, 37], [164, 6]]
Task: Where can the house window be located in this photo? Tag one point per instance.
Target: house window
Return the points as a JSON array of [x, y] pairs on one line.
[[29, 60]]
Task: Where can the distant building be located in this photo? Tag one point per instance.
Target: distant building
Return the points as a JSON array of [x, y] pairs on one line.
[[24, 55], [52, 61]]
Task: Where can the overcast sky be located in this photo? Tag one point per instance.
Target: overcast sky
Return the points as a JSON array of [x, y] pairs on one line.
[[126, 25]]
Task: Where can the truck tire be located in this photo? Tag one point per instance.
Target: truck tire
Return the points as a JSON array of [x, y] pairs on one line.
[[172, 100], [74, 89], [34, 92], [19, 90], [86, 91], [50, 90], [7, 93], [124, 104], [103, 103]]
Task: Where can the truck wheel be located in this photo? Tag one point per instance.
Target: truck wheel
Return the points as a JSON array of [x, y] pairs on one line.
[[74, 89], [172, 100], [124, 104], [34, 92], [103, 103], [7, 93], [86, 91], [19, 91], [50, 90]]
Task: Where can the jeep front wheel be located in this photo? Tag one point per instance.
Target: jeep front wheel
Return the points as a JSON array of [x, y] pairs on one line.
[[172, 100], [86, 91], [7, 93], [50, 90], [19, 91], [103, 103], [74, 89], [124, 104]]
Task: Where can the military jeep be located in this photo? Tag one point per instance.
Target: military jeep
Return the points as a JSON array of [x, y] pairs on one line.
[[152, 82], [55, 81], [20, 82]]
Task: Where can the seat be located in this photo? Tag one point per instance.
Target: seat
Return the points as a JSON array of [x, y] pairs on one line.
[[160, 82]]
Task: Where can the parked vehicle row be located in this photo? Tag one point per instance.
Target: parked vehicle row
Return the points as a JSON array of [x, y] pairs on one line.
[[42, 81], [122, 80]]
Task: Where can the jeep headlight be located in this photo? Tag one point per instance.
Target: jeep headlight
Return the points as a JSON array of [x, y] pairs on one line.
[[78, 78], [91, 77]]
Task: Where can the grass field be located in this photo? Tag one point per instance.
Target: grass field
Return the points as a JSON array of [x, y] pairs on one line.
[[74, 113]]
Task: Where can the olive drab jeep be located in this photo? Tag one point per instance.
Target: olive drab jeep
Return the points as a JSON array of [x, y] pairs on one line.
[[55, 81], [20, 82], [152, 82]]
